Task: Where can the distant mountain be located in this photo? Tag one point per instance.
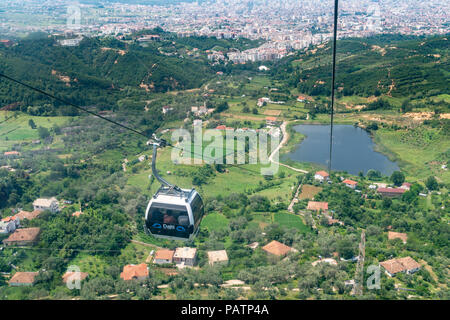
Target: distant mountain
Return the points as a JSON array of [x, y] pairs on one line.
[[97, 71]]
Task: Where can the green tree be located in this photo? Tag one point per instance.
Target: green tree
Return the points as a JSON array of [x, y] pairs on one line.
[[431, 183], [397, 178], [32, 124], [43, 132]]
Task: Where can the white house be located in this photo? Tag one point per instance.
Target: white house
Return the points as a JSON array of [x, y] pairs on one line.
[[321, 176], [163, 256], [7, 227], [46, 204], [166, 109], [350, 183]]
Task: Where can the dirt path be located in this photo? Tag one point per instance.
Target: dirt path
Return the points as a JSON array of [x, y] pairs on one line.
[[282, 143], [293, 202]]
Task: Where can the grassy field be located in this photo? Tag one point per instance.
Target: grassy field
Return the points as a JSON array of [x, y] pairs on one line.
[[16, 129], [291, 221], [418, 157], [214, 222]]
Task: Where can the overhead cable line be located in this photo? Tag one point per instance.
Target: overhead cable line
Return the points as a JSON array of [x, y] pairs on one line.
[[105, 118], [333, 80]]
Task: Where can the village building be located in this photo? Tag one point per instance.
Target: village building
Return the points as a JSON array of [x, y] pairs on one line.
[[134, 272], [406, 186], [391, 192], [46, 204], [350, 183], [22, 215], [166, 109], [217, 257], [23, 279], [7, 227], [322, 176], [77, 213], [301, 98], [262, 101], [332, 221], [397, 235], [271, 121], [164, 256], [317, 206], [23, 237], [11, 154], [394, 266], [70, 275], [277, 248], [185, 256]]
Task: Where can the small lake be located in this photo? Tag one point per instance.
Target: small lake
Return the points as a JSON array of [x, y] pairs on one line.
[[353, 149]]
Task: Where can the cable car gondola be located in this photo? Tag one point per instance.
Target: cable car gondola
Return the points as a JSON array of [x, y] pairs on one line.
[[172, 213]]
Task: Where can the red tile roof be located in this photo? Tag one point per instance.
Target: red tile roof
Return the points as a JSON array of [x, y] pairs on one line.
[[323, 173], [23, 278], [132, 271], [276, 248], [315, 205], [391, 190], [28, 215], [164, 254], [27, 234], [69, 275], [394, 266], [350, 182]]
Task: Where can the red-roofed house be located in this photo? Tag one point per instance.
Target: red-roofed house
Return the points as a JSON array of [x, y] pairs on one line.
[[23, 237], [406, 186], [74, 276], [11, 154], [23, 279], [164, 256], [350, 183], [394, 266], [277, 248], [134, 272], [317, 206], [321, 176], [391, 192]]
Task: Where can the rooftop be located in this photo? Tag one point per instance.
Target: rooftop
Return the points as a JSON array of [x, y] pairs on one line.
[[350, 182], [132, 271], [397, 235], [73, 275], [217, 256], [28, 215], [277, 248], [26, 234], [42, 202], [315, 205], [185, 253], [164, 254], [23, 277], [322, 173], [394, 266]]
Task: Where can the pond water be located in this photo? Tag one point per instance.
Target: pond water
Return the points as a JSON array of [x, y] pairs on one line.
[[353, 149]]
